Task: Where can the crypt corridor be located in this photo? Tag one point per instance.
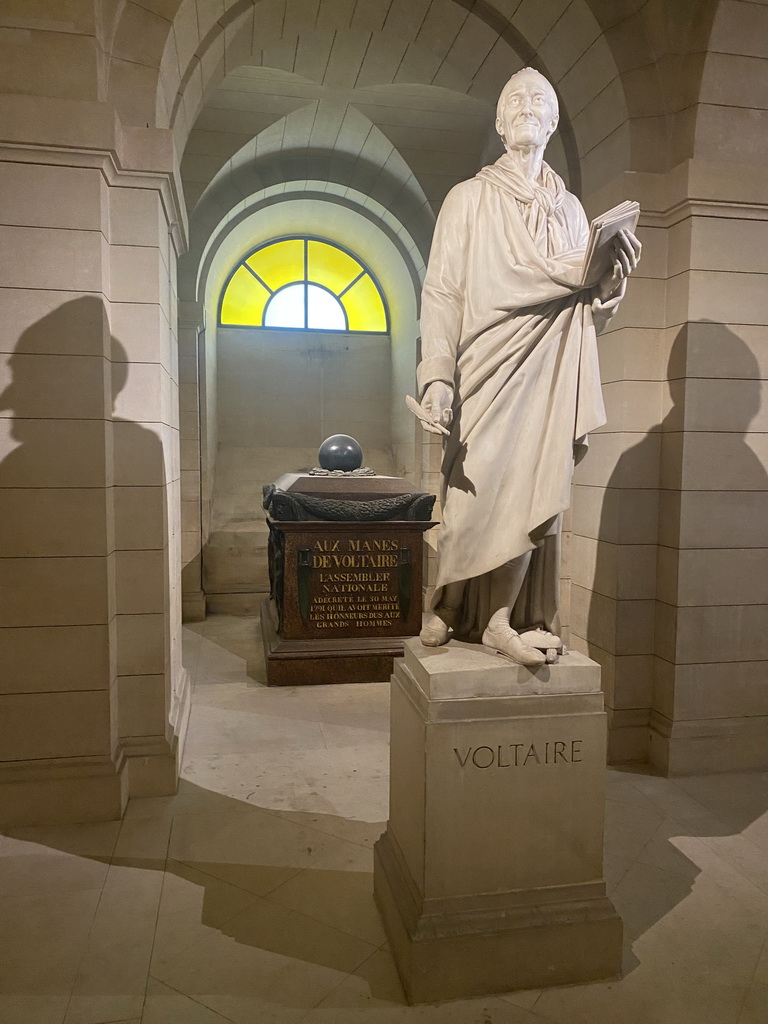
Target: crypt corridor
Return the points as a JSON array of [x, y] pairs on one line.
[[150, 148]]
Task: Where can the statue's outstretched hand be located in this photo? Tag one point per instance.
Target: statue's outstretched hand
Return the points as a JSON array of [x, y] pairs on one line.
[[626, 256], [437, 403]]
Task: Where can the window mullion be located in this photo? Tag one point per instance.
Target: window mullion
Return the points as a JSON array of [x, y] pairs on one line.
[[306, 284]]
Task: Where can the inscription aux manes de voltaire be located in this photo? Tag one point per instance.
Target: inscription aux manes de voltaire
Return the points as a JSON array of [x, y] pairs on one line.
[[520, 755], [361, 582]]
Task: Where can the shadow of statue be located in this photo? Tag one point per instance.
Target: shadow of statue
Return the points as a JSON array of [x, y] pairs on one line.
[[84, 372], [699, 449], [82, 483], [715, 392], [314, 904]]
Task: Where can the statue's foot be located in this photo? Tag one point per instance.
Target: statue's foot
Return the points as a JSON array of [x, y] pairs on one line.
[[434, 632], [506, 641], [540, 638]]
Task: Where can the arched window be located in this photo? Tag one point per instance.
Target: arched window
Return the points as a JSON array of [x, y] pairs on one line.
[[303, 284]]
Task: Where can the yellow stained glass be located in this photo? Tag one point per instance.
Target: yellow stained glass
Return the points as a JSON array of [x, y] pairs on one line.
[[330, 266], [280, 268], [280, 263], [365, 310], [244, 300]]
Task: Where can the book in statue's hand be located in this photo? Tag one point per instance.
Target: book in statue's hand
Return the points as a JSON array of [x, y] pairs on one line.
[[598, 258]]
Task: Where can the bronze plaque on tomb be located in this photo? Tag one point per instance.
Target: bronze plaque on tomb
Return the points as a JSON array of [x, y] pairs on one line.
[[348, 580]]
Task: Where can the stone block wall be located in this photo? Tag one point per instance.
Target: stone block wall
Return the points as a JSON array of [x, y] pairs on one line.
[[92, 692]]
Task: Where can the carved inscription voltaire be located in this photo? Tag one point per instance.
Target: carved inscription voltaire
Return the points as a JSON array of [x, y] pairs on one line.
[[520, 755]]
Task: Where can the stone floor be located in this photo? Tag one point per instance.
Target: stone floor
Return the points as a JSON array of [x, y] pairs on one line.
[[246, 898]]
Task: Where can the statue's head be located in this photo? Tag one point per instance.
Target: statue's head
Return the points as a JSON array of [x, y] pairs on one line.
[[527, 112]]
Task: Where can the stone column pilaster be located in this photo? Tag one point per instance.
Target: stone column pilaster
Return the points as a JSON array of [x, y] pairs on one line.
[[92, 693]]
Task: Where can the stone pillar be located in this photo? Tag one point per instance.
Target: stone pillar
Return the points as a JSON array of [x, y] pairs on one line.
[[710, 707], [195, 497], [145, 425], [668, 507], [92, 693], [489, 875]]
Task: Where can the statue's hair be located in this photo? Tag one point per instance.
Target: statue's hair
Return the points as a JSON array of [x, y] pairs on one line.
[[510, 85]]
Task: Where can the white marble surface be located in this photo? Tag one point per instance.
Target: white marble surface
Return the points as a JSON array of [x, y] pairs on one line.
[[246, 898], [460, 669]]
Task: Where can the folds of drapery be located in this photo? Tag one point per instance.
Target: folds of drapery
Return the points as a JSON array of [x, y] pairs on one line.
[[505, 323]]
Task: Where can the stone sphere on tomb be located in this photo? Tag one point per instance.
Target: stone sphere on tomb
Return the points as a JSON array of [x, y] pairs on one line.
[[340, 451]]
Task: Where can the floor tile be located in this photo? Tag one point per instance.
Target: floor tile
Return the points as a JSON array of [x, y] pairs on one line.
[[189, 799], [526, 998], [671, 799], [224, 624], [252, 849], [191, 904], [614, 869], [754, 1010], [42, 939], [740, 799], [628, 827], [356, 831], [143, 843], [693, 939], [346, 783], [337, 890], [62, 858], [357, 735], [374, 993], [213, 729], [267, 964], [247, 896], [664, 850], [163, 1005], [112, 976]]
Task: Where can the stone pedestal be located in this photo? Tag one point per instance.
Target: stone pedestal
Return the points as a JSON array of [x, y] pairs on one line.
[[489, 875]]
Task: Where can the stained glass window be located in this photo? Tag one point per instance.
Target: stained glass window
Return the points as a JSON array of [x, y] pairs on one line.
[[303, 284]]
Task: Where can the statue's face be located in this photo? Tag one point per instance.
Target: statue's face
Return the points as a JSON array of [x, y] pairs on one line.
[[528, 117]]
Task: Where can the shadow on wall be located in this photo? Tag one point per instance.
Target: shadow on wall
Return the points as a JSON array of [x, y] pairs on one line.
[[72, 456], [59, 374], [642, 507]]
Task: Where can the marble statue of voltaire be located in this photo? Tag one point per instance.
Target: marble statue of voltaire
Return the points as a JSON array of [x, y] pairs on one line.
[[509, 364]]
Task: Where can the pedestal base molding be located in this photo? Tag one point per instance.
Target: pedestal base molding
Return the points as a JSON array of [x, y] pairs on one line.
[[153, 761], [151, 764], [704, 746], [234, 604], [627, 735], [493, 942], [63, 791], [193, 607]]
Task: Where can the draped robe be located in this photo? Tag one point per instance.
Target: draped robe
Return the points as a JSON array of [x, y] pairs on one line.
[[505, 322]]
